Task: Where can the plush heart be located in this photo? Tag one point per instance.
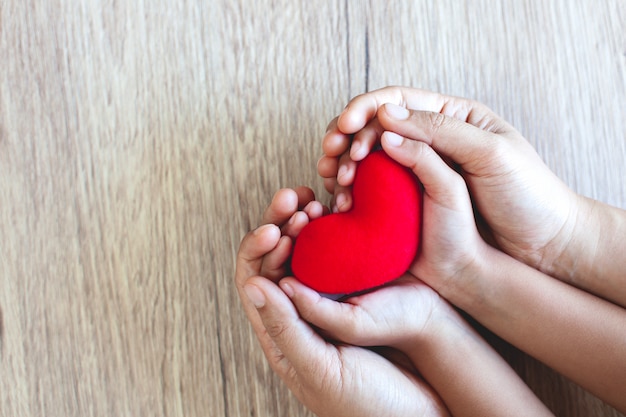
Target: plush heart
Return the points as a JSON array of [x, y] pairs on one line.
[[369, 245]]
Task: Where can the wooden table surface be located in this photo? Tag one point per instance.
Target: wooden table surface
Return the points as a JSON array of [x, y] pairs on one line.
[[140, 140]]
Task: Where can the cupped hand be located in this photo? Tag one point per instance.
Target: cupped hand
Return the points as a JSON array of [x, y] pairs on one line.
[[471, 378], [450, 241], [330, 379], [529, 211], [402, 313]]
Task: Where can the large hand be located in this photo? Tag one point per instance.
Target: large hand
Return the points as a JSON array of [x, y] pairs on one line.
[[530, 212], [331, 380], [572, 331]]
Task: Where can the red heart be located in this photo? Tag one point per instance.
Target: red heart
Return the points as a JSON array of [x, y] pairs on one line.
[[369, 245]]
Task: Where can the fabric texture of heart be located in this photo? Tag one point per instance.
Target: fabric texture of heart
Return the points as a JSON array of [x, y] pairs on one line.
[[373, 243]]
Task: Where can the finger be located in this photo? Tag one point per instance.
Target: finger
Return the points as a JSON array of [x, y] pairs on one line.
[[339, 175], [273, 265], [328, 167], [329, 184], [314, 210], [335, 142], [365, 140], [440, 181], [295, 224], [337, 321], [364, 107], [305, 196], [346, 170], [463, 142], [253, 247], [340, 169], [342, 199], [283, 205], [286, 339]]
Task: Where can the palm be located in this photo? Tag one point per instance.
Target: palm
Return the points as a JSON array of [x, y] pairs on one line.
[[330, 379], [360, 382], [448, 244]]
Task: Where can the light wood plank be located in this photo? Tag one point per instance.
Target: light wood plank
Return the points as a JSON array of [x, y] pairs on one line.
[[139, 141]]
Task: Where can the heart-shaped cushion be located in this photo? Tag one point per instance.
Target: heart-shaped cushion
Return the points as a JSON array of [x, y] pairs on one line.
[[369, 245]]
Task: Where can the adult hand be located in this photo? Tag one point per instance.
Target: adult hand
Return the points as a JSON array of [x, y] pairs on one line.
[[572, 331], [330, 379], [530, 213]]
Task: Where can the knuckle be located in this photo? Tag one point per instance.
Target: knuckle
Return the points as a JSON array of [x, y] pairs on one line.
[[244, 248], [275, 355], [329, 185], [276, 330], [436, 122], [419, 152]]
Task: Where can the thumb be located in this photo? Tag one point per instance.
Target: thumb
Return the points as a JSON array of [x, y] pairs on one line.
[[288, 342], [441, 183], [463, 142]]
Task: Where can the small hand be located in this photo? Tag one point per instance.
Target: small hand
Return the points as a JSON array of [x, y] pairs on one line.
[[450, 241], [409, 316]]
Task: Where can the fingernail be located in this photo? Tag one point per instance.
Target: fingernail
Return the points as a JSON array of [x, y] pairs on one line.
[[342, 171], [393, 139], [397, 112], [287, 289], [260, 229], [340, 200], [255, 295], [354, 149]]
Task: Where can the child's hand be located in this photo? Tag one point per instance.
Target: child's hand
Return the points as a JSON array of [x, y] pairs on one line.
[[530, 212], [403, 314], [331, 380], [450, 241], [406, 314]]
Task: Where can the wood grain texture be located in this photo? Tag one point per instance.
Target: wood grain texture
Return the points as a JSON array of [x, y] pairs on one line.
[[140, 140]]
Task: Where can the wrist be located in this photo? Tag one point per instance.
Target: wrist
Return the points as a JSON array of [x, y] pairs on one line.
[[435, 332], [443, 320], [450, 354], [591, 258], [571, 249], [470, 286]]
